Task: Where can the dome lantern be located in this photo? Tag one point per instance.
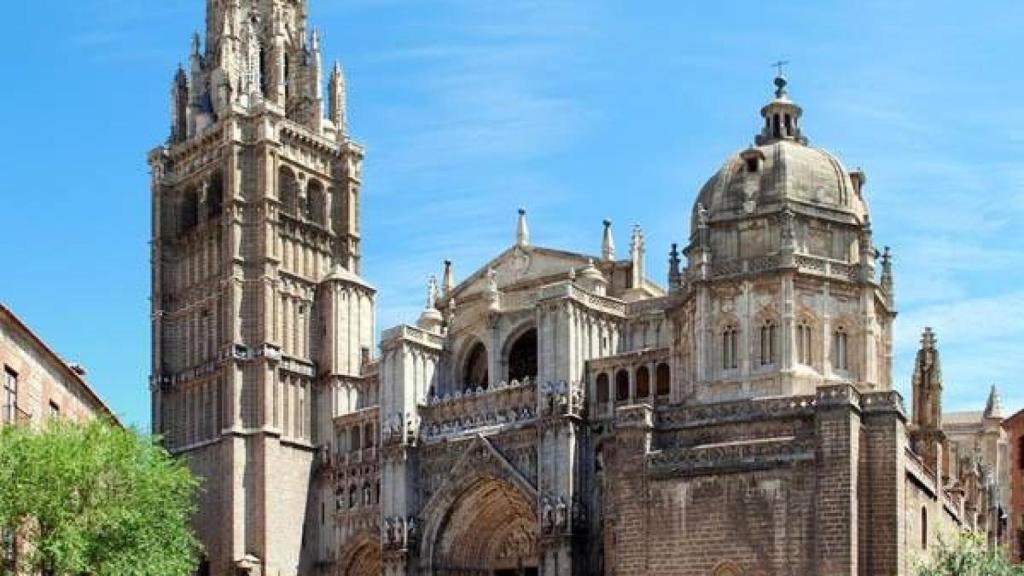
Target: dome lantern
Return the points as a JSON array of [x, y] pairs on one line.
[[781, 117]]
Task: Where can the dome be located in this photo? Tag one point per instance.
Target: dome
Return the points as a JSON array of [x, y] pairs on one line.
[[781, 170]]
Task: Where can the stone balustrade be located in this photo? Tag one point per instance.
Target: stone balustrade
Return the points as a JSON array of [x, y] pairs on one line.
[[804, 263], [477, 409]]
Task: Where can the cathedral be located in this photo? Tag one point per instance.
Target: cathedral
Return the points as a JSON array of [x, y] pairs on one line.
[[553, 412]]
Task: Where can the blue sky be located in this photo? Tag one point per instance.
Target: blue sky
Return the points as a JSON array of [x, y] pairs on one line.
[[575, 110]]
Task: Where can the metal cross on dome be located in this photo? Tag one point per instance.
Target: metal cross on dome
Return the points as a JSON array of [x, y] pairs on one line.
[[779, 64]]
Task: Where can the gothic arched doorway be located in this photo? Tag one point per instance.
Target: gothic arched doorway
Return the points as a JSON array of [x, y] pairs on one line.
[[491, 529], [363, 559]]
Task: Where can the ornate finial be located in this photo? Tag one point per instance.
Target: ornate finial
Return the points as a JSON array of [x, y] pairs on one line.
[[195, 43], [448, 281], [315, 42], [780, 79], [522, 231], [928, 338], [674, 273], [607, 242]]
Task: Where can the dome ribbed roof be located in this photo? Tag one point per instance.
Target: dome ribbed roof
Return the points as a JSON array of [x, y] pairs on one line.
[[781, 169]]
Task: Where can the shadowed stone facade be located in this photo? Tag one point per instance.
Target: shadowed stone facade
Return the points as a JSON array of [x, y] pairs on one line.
[[552, 413]]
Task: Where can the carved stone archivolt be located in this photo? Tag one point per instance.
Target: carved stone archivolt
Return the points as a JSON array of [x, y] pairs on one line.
[[483, 517]]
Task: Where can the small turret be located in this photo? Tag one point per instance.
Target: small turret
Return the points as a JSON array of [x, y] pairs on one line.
[[607, 243], [928, 439], [592, 279]]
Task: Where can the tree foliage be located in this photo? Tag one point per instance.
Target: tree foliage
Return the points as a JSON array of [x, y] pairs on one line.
[[96, 499], [969, 555]]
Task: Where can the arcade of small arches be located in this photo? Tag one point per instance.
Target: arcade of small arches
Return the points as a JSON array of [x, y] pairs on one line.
[[303, 197], [648, 382], [201, 202], [358, 493], [519, 361]]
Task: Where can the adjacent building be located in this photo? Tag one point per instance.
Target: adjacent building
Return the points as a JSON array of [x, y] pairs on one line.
[[553, 412], [37, 385], [1014, 429]]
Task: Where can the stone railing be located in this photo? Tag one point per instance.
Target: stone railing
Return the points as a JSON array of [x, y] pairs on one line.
[[414, 334], [827, 267], [604, 304], [645, 306], [502, 404], [738, 411], [805, 263]]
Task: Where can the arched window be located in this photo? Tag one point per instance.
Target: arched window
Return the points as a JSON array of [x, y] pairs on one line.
[[368, 436], [287, 191], [663, 380], [643, 382], [367, 494], [356, 443], [768, 343], [803, 342], [603, 392], [317, 200], [924, 528], [840, 358], [352, 496], [621, 386], [474, 373], [522, 357], [189, 210], [730, 348]]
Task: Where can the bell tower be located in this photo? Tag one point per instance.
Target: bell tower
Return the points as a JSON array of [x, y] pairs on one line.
[[259, 315]]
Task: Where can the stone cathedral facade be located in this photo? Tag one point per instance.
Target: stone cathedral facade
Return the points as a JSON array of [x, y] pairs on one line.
[[552, 412]]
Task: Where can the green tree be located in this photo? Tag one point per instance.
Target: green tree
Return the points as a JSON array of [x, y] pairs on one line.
[[969, 555], [96, 499]]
